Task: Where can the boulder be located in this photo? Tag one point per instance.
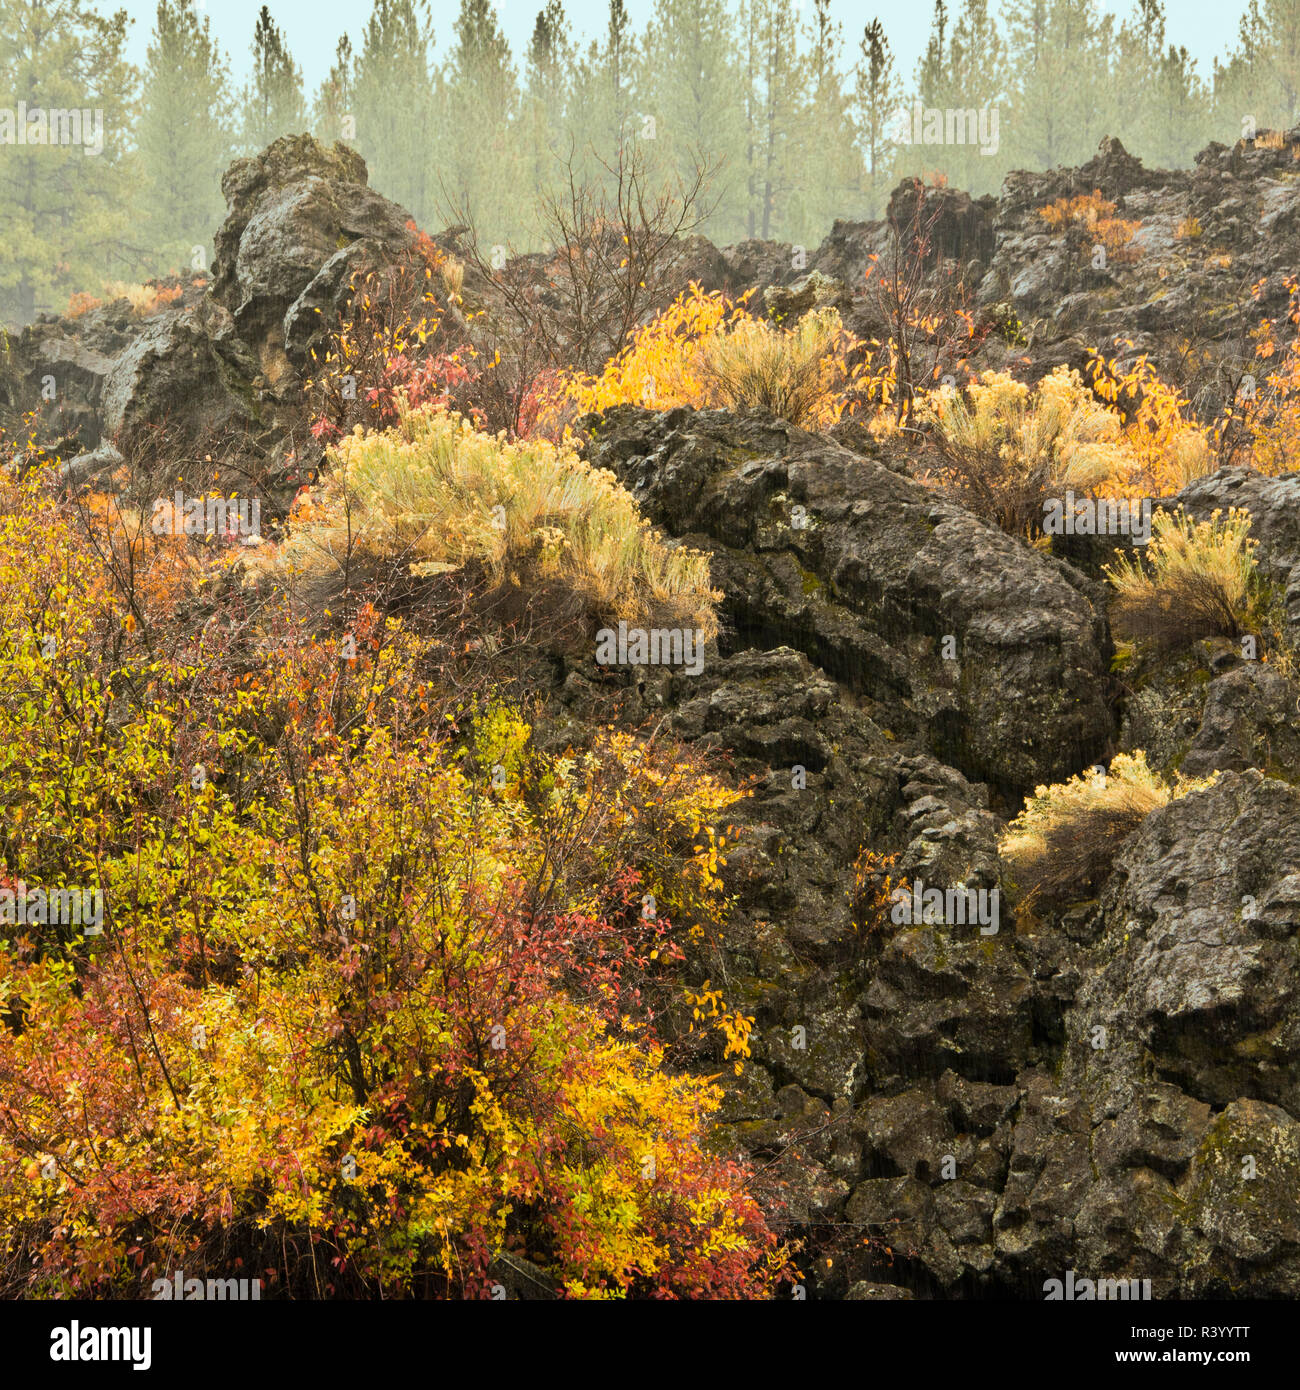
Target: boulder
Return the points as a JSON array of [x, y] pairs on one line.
[[995, 655], [182, 385], [300, 220], [812, 291]]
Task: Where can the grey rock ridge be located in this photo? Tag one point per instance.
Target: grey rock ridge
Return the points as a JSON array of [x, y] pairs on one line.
[[219, 373], [1111, 1088], [300, 220]]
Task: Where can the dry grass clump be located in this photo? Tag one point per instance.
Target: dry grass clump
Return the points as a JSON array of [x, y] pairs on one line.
[[790, 372], [1007, 448], [436, 495], [1197, 579], [1090, 217], [1064, 842]]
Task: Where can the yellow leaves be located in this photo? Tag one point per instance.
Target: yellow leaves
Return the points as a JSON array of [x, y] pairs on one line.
[[1168, 445], [236, 1109], [707, 1006]]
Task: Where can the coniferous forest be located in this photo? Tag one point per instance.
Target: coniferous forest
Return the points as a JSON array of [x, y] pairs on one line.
[[793, 108]]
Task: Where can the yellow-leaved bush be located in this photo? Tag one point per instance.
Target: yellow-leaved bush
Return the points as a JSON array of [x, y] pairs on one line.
[[361, 1016], [1007, 447], [1169, 446], [1195, 579], [707, 350]]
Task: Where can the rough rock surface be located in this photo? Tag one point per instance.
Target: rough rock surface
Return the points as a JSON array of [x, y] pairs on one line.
[[942, 622], [219, 372], [301, 219], [1112, 1089]]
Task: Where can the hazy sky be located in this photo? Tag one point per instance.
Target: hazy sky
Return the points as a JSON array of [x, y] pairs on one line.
[[1207, 27]]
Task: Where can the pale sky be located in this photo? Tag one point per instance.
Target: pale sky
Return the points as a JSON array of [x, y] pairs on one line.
[[1206, 27]]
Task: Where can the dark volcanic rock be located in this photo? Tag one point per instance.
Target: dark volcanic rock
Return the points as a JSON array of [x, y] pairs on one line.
[[219, 374], [185, 379], [1251, 719], [997, 654], [300, 221], [1111, 1090]]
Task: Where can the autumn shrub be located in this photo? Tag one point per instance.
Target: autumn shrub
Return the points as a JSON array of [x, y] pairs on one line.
[[1063, 843], [372, 1008], [1170, 446], [436, 495], [661, 367], [1089, 219], [1196, 579], [405, 332], [1007, 447], [81, 303], [871, 896], [143, 299], [708, 350], [790, 372], [924, 303], [21, 437], [1265, 415], [390, 337]]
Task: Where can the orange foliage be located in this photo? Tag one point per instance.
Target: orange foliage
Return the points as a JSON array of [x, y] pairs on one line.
[[706, 349], [1091, 218]]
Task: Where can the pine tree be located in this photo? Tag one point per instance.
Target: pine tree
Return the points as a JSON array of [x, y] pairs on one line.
[[687, 85], [778, 82], [602, 97], [932, 70], [184, 135], [332, 115], [550, 62], [828, 144], [1178, 123], [1282, 18], [620, 55], [272, 100], [599, 114], [976, 73], [393, 96], [1060, 53], [481, 159], [878, 105], [66, 206], [1262, 77], [1244, 93], [1163, 105]]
